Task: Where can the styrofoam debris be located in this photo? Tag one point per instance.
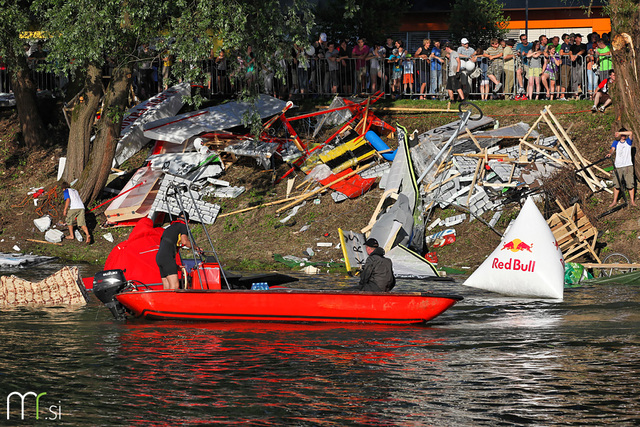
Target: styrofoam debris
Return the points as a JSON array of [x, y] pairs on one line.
[[454, 220], [324, 244], [16, 248], [338, 196], [42, 223], [108, 237], [53, 236], [494, 220], [310, 269], [434, 224]]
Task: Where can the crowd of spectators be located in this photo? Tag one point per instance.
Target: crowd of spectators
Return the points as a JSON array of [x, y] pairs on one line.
[[546, 68]]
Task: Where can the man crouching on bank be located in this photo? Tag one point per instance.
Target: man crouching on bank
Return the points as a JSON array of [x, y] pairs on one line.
[[377, 272]]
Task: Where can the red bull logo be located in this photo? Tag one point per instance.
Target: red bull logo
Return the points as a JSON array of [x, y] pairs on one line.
[[513, 264], [517, 245]]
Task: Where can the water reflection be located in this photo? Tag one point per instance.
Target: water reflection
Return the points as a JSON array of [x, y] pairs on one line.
[[489, 360]]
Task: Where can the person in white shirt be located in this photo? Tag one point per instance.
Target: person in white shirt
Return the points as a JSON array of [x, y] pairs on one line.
[[623, 165], [74, 210]]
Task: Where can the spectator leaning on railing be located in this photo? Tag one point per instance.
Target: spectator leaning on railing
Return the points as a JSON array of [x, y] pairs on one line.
[[453, 73], [565, 67], [467, 54], [522, 64], [551, 70], [603, 56], [436, 68], [360, 52], [535, 57], [496, 64], [508, 58], [578, 49], [423, 54]]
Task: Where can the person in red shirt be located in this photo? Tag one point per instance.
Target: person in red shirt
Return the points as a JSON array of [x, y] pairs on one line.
[[360, 52], [601, 96]]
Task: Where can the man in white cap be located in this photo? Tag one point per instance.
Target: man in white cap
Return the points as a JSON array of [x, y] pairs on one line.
[[321, 47], [466, 53], [377, 272]]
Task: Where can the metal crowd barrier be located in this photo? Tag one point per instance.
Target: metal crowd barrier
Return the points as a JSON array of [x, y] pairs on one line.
[[577, 79], [350, 77]]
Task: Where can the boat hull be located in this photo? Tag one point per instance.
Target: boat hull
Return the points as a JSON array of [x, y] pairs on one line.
[[286, 305]]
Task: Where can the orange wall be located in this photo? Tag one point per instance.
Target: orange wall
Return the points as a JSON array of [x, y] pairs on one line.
[[561, 18], [571, 18]]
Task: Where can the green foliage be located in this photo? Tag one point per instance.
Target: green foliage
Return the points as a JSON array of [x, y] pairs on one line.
[[371, 19], [623, 15], [477, 20], [230, 226], [15, 19], [191, 31], [270, 221]]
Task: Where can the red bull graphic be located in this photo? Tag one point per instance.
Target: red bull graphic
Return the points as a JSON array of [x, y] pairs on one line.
[[517, 245], [513, 264]]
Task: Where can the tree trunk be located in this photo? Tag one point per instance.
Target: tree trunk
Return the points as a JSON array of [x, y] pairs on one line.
[[625, 37], [24, 89], [84, 107], [94, 177]]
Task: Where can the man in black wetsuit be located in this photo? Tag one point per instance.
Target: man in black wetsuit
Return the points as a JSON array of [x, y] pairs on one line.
[[176, 235], [377, 272]]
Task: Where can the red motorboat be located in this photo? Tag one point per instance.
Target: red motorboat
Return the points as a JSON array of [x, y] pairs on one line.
[[211, 294], [269, 304]]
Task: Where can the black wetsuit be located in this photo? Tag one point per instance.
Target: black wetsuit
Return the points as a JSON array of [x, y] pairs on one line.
[[377, 273], [166, 257]]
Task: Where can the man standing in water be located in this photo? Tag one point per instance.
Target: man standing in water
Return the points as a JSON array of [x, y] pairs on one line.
[[377, 273], [176, 235]]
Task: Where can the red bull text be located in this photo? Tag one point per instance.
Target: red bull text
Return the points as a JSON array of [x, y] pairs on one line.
[[513, 264]]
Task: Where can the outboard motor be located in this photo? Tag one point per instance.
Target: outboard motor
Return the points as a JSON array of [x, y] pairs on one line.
[[106, 284]]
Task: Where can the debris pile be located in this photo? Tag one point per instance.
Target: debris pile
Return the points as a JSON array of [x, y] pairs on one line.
[[475, 170]]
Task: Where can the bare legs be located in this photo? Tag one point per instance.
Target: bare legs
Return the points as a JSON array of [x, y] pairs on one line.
[[170, 282], [616, 194]]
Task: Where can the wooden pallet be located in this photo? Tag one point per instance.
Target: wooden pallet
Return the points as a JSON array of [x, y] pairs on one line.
[[574, 233]]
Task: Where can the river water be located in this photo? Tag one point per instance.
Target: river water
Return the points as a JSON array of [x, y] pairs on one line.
[[489, 360]]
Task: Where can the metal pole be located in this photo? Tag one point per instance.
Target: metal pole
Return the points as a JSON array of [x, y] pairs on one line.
[[195, 206], [526, 19], [189, 235], [463, 122]]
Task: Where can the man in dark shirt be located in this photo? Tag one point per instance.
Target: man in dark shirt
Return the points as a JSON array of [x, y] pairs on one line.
[[388, 66], [377, 272], [176, 235], [577, 52], [565, 67]]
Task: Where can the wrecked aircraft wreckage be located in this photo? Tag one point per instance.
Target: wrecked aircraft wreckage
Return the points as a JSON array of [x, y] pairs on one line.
[[471, 164]]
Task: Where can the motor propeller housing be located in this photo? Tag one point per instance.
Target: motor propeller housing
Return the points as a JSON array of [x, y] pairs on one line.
[[106, 284]]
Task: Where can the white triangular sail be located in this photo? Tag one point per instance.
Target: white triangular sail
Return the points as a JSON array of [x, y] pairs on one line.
[[528, 261]]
